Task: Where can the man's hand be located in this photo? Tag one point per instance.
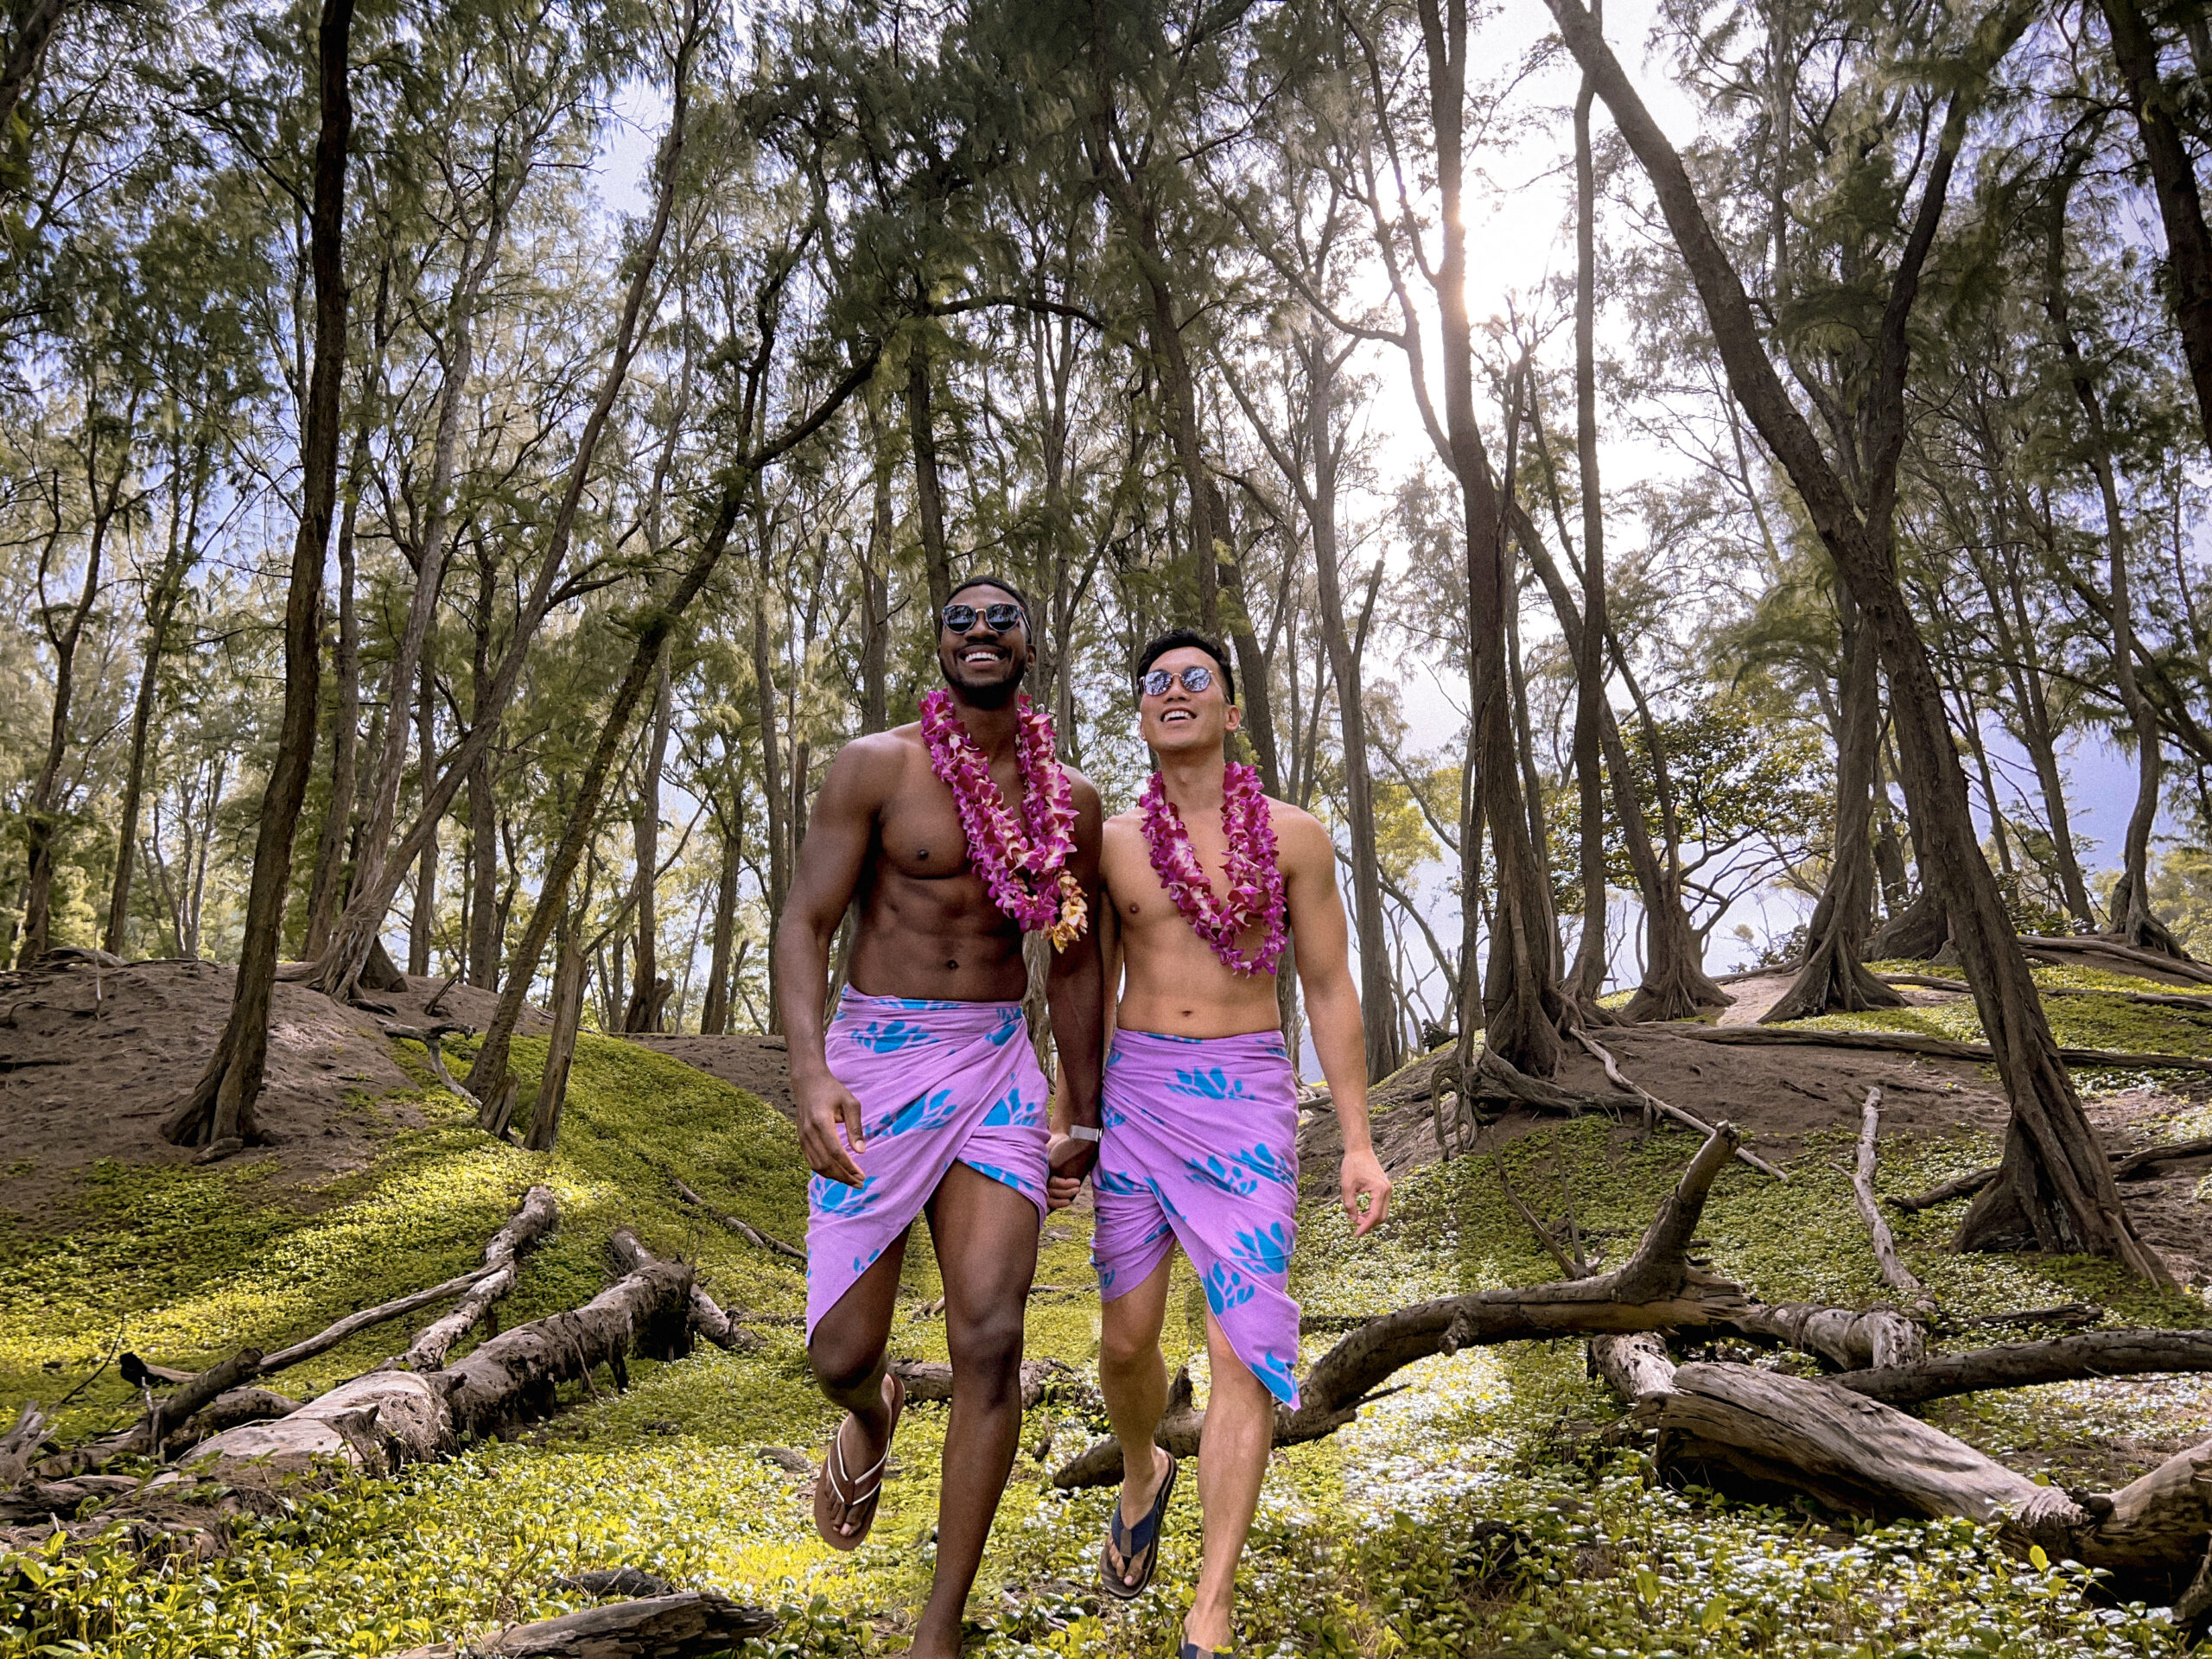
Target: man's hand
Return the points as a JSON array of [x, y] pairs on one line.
[[1366, 1191], [823, 1104], [1069, 1162]]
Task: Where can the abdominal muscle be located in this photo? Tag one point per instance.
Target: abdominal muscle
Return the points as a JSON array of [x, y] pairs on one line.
[[939, 940], [1174, 985]]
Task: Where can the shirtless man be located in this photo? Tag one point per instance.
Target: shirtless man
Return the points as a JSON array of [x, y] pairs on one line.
[[1201, 1110], [924, 1096]]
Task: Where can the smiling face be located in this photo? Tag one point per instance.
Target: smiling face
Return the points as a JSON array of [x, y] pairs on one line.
[[984, 668], [1181, 720]]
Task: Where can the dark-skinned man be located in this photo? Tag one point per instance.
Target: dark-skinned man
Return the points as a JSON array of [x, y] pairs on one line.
[[923, 1097]]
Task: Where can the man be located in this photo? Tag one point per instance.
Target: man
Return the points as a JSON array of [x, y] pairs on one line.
[[925, 1097], [1201, 1110]]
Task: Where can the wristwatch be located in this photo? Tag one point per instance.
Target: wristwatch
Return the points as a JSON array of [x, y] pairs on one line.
[[1084, 1132]]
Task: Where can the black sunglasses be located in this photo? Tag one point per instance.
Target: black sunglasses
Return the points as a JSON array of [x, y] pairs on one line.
[[1195, 679], [1001, 618]]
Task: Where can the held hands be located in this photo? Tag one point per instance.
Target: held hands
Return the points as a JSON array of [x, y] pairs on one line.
[[1069, 1162], [823, 1103], [1366, 1191]]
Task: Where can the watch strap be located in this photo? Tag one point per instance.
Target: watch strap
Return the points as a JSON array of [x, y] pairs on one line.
[[1084, 1132]]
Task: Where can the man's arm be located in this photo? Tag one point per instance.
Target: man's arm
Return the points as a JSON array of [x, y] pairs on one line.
[[1075, 994], [838, 834], [1322, 941]]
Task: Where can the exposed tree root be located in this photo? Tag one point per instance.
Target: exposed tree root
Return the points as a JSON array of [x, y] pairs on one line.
[[744, 1230], [2125, 1166], [1895, 1274], [2151, 999], [430, 1037], [2107, 945], [1906, 1042], [1654, 1105], [1656, 1288], [691, 1624]]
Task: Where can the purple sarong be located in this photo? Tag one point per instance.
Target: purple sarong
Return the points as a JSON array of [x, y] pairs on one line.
[[939, 1082], [1201, 1150]]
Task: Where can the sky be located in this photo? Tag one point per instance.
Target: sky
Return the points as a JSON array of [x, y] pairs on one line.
[[1519, 235]]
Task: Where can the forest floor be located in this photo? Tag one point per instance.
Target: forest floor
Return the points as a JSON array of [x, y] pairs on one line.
[[1382, 1540]]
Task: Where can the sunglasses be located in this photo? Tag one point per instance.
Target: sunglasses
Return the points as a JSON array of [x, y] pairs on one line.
[[1001, 618], [1195, 679]]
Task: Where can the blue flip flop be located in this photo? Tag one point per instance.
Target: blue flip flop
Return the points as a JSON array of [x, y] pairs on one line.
[[1192, 1650], [1137, 1546]]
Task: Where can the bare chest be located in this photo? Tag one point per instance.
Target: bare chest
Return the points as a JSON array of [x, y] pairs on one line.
[[919, 833]]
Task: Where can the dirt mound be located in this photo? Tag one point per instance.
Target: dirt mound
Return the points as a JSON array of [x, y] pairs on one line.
[[1758, 993], [759, 1065], [92, 1060]]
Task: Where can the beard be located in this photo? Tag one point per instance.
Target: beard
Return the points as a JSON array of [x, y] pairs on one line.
[[997, 694]]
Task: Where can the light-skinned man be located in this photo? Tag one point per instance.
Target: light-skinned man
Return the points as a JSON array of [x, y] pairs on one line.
[[1199, 886]]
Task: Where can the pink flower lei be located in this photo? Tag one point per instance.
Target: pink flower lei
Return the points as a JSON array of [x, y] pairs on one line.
[[1255, 879], [1024, 865]]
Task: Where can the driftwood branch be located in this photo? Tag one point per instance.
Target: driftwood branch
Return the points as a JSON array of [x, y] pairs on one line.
[[689, 1624], [931, 1379], [1846, 1338], [708, 1317], [523, 1230], [326, 1339], [1895, 1274], [430, 1037], [744, 1230], [150, 1433], [2017, 1364], [1656, 1288], [1628, 1085], [20, 1444]]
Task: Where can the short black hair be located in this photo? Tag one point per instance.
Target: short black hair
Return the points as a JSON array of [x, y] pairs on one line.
[[1028, 611], [1179, 638]]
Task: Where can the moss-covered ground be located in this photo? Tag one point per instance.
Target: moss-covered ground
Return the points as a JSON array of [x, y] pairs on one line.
[[1383, 1540]]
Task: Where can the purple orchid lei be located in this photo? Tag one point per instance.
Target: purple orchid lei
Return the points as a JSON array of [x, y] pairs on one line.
[[1255, 893], [1024, 865]]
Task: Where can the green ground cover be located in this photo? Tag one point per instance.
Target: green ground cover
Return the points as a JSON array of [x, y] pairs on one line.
[[1392, 1537]]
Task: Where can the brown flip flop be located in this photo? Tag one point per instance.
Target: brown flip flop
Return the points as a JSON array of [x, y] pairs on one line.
[[837, 1485]]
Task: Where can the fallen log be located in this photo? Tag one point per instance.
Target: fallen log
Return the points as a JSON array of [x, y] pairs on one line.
[[1848, 1338], [2125, 1166], [1655, 1289], [1895, 1274], [34, 1500], [149, 1433], [1909, 1042], [708, 1317], [691, 1624], [389, 1417], [324, 1340], [235, 1406], [2075, 1313], [744, 1230], [523, 1230], [931, 1379], [2022, 1365], [21, 1443]]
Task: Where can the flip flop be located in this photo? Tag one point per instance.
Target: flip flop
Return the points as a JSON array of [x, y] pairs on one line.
[[1135, 1544], [837, 1484], [1192, 1650]]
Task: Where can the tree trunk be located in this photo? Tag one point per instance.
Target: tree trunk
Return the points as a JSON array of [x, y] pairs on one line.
[[1524, 1007], [425, 920], [1834, 977], [1592, 957], [2131, 918], [929, 486], [561, 1046], [2057, 1188], [220, 1108], [771, 779], [35, 31], [875, 595], [714, 1016], [327, 891], [642, 1013], [2173, 178], [161, 612], [482, 950], [1377, 1007]]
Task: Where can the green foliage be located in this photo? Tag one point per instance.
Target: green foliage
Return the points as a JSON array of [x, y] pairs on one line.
[[1460, 1516]]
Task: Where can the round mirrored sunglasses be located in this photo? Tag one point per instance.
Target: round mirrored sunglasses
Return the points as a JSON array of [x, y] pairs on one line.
[[1001, 618], [1195, 679]]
